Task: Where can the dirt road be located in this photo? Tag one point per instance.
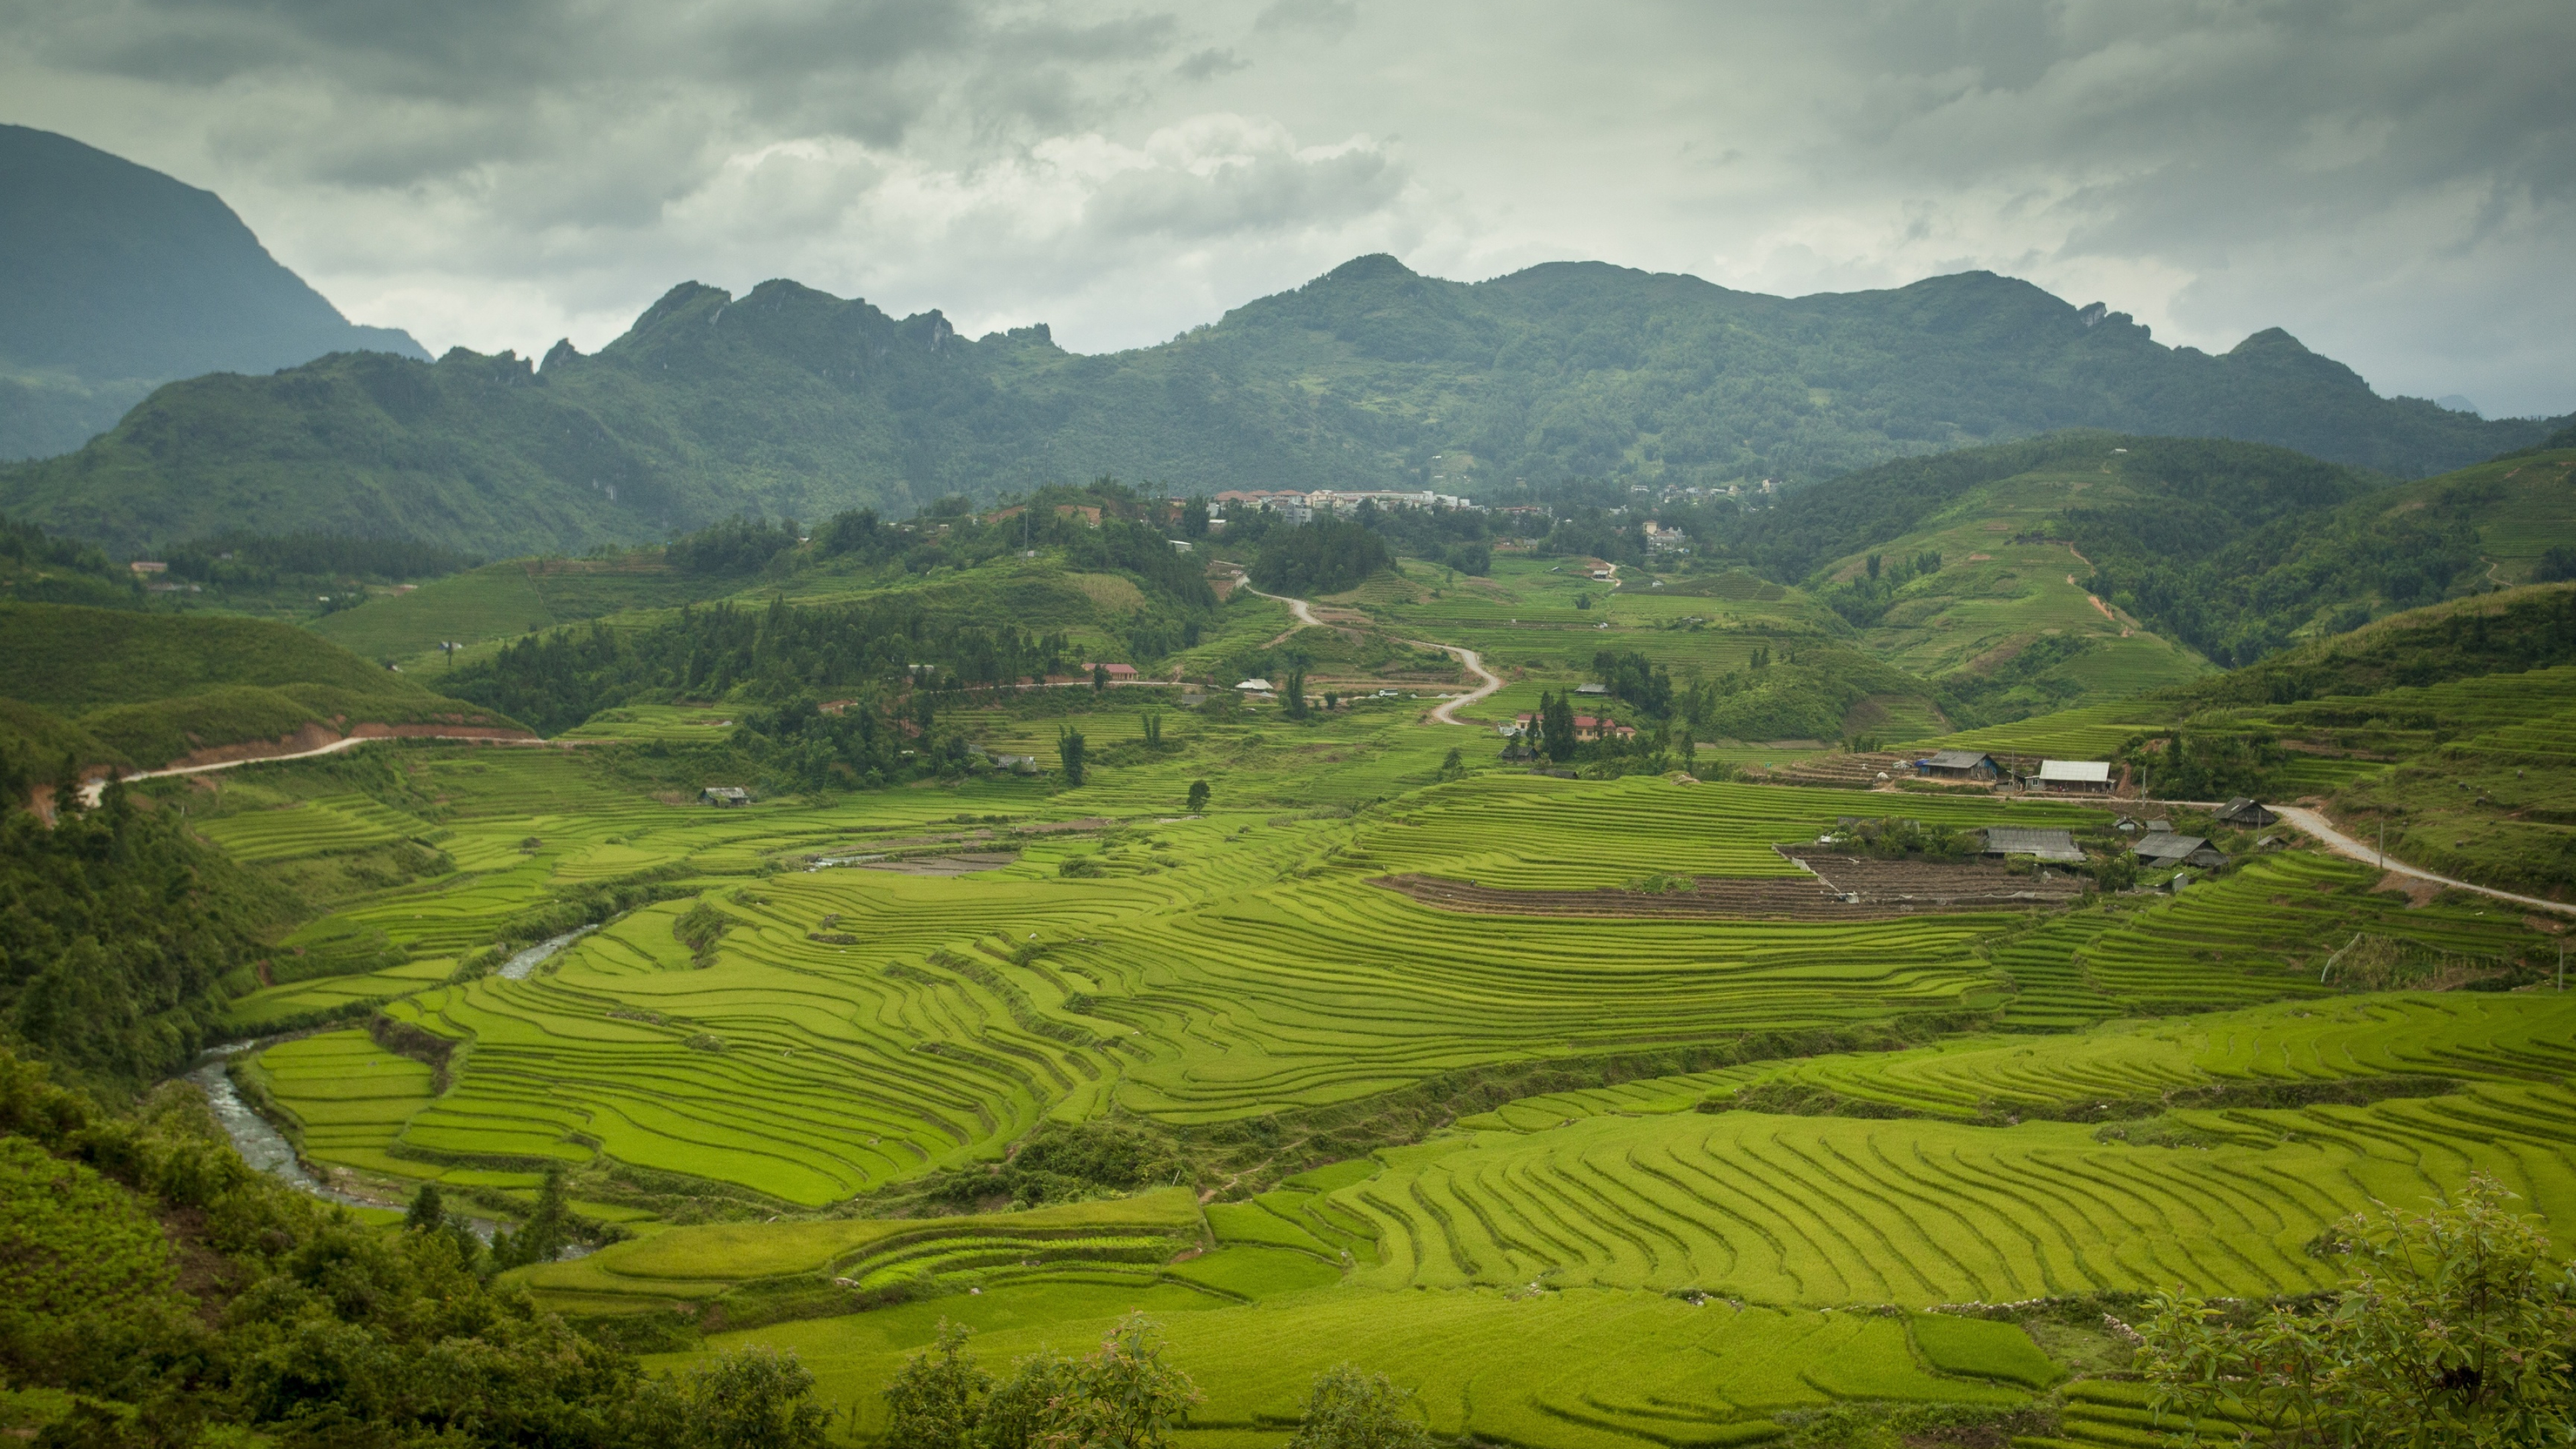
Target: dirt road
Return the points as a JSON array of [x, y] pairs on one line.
[[2335, 840], [1304, 613], [96, 790]]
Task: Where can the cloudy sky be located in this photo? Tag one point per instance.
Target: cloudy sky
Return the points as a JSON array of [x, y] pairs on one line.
[[2393, 182]]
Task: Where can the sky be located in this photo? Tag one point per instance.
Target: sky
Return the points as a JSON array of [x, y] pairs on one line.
[[2395, 183]]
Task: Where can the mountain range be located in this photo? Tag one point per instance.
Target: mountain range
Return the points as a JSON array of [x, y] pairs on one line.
[[790, 402], [119, 278]]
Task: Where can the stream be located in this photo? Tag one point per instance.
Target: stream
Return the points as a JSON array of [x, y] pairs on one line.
[[261, 1145], [518, 967]]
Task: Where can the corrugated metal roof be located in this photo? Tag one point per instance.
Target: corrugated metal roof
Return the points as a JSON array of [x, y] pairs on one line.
[[1958, 759], [2055, 845], [2076, 772], [2165, 845]]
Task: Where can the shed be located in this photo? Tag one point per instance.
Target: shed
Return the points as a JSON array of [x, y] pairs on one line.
[[1254, 686], [2166, 848], [2246, 814], [1017, 764], [725, 795], [2079, 775], [1592, 689], [1960, 765], [2055, 846]]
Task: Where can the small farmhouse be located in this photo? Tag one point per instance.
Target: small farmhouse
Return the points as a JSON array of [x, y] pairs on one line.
[[2163, 848], [1254, 686], [1958, 765], [2246, 814], [2057, 847], [725, 795], [1592, 689], [1115, 671], [1017, 764], [2076, 776]]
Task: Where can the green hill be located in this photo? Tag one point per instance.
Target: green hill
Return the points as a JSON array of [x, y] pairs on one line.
[[791, 402], [120, 278], [146, 689]]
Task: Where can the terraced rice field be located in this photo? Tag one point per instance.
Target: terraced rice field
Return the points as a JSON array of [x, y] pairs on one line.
[[1211, 970], [1613, 1268], [341, 822]]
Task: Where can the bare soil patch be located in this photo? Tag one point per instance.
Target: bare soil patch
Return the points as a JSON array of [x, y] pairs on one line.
[[964, 863], [1841, 888]]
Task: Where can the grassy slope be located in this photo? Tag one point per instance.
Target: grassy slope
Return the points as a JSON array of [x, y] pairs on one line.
[[151, 687], [1996, 594]]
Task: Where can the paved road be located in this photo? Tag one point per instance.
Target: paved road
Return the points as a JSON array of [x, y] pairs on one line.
[[2341, 844]]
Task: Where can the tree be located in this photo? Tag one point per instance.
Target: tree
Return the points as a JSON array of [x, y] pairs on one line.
[[427, 1213], [1198, 796], [1453, 765], [1556, 726], [2456, 1329], [1347, 1409], [1152, 722], [545, 1233], [1068, 747], [938, 1395], [753, 1398], [1122, 1397], [1099, 678], [1292, 691], [1015, 1415]]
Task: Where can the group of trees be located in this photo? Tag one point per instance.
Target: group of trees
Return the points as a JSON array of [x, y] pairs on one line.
[[299, 1324], [1324, 556], [116, 929], [1124, 1395], [777, 654]]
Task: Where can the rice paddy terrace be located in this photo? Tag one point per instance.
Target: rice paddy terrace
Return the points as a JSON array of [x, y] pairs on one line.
[[1737, 1217]]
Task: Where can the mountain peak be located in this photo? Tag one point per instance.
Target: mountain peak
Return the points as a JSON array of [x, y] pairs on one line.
[[121, 277], [2270, 342], [1375, 267]]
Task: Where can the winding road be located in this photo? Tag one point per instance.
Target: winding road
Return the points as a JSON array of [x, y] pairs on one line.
[[2316, 824], [1447, 712], [96, 790]]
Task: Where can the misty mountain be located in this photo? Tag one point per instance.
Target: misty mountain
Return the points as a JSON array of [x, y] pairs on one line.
[[788, 401], [115, 279]]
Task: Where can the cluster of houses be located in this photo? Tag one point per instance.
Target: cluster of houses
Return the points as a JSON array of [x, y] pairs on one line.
[[1300, 507], [1586, 727], [2077, 777], [2156, 844]]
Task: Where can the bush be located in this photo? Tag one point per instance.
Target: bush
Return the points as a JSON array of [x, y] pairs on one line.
[[2456, 1329]]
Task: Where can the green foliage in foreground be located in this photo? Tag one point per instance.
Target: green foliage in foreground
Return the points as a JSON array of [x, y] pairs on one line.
[[1124, 1396], [2457, 1329], [116, 930], [300, 1321]]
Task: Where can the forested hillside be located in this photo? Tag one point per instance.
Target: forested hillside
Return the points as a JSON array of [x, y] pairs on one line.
[[790, 402]]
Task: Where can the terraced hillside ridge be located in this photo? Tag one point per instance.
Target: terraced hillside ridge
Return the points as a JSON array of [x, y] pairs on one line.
[[789, 402], [147, 690]]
